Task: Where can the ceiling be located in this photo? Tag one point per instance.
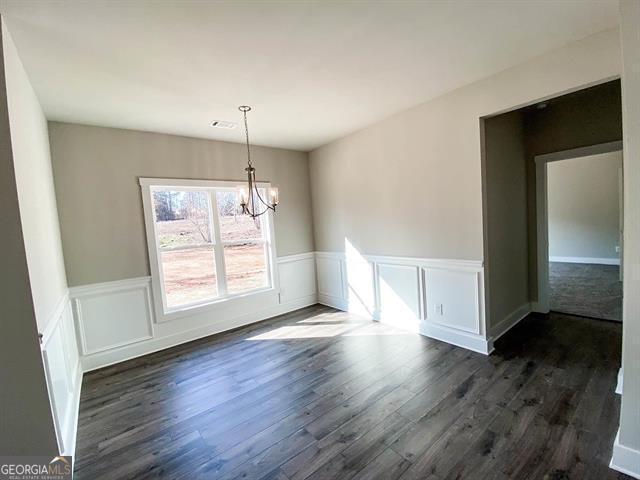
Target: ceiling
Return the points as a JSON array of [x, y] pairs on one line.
[[312, 71]]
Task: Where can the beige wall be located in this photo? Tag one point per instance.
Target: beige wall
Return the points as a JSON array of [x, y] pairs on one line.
[[583, 206], [629, 435], [26, 422], [96, 173], [411, 184], [30, 143], [505, 184]]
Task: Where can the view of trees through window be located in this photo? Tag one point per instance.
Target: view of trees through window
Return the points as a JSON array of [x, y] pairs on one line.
[[188, 242]]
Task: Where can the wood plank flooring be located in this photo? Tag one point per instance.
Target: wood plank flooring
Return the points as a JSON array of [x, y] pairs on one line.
[[322, 394]]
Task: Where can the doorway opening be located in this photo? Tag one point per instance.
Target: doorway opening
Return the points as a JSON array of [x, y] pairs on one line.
[[561, 137], [579, 231]]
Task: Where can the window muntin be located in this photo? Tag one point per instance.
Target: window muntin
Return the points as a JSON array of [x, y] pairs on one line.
[[205, 250]]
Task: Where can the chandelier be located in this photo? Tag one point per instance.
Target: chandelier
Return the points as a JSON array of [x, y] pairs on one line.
[[249, 196]]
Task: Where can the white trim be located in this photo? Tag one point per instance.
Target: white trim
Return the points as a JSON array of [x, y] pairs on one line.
[[587, 260], [542, 220], [235, 312], [73, 414], [620, 383], [510, 321], [456, 337], [195, 183], [625, 459], [295, 258], [473, 337], [65, 419], [77, 294], [117, 355], [52, 324], [108, 287], [410, 261]]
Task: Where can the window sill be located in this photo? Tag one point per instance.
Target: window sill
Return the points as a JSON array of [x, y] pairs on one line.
[[215, 304]]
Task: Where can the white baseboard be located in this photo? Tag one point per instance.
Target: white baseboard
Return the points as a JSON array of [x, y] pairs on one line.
[[455, 337], [588, 260], [510, 321], [620, 380], [625, 459], [127, 352]]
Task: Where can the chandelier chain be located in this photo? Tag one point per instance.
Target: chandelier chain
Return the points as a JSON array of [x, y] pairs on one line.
[[246, 133]]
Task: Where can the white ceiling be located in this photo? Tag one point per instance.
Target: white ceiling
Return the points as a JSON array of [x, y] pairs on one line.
[[313, 71]]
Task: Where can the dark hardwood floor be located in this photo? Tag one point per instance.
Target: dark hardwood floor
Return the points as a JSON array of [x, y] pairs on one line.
[[321, 394]]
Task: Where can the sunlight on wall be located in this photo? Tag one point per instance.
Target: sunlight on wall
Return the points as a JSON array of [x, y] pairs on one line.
[[394, 309], [360, 289]]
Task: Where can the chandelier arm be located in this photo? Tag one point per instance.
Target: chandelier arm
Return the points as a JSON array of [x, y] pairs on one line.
[[270, 207]]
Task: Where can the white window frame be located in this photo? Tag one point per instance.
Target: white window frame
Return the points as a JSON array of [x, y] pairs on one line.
[[164, 313]]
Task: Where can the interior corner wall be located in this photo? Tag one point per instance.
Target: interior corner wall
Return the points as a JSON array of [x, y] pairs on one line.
[[505, 184], [584, 118], [27, 426], [411, 185]]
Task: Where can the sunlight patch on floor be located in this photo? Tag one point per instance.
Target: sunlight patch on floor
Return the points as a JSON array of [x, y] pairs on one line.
[[347, 329]]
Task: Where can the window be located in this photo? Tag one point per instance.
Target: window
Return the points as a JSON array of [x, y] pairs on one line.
[[201, 249]]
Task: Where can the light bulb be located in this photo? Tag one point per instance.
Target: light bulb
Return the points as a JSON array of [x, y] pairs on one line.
[[274, 196], [243, 195]]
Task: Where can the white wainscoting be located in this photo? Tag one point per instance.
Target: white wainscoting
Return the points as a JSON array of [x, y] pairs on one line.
[[116, 320], [438, 298], [63, 373]]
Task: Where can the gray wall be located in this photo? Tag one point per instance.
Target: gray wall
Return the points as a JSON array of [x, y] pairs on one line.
[[26, 422], [411, 185], [505, 183], [583, 206], [629, 435], [587, 117], [96, 173]]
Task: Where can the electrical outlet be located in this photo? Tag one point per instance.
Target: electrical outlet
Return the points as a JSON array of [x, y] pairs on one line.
[[617, 248], [439, 309]]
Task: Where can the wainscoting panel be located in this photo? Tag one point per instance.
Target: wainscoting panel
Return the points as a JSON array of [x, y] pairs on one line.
[[453, 299], [115, 320], [330, 277], [63, 374], [439, 298], [399, 292], [297, 277], [113, 314]]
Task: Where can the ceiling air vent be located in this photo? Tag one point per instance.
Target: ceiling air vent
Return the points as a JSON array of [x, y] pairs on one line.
[[223, 124]]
